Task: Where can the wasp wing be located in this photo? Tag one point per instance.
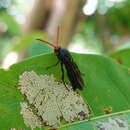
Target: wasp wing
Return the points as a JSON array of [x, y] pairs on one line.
[[73, 72]]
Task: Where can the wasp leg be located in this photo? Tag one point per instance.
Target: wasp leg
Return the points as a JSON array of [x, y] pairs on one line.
[[83, 74], [62, 69], [53, 65]]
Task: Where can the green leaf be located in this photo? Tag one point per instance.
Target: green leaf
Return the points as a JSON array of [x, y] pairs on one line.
[[10, 99], [39, 48], [107, 122], [107, 85], [122, 57]]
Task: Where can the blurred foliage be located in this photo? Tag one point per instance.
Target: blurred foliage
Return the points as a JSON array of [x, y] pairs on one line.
[[9, 24], [118, 18], [8, 30], [26, 41], [11, 37], [117, 15], [88, 38], [108, 26], [92, 32]]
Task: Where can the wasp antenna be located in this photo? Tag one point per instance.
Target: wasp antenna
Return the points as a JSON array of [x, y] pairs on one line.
[[51, 44], [46, 42], [57, 39]]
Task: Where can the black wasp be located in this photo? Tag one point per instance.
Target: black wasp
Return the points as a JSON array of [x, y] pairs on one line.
[[65, 59]]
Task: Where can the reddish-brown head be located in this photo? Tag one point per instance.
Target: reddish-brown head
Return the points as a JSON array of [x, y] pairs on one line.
[[56, 47]]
